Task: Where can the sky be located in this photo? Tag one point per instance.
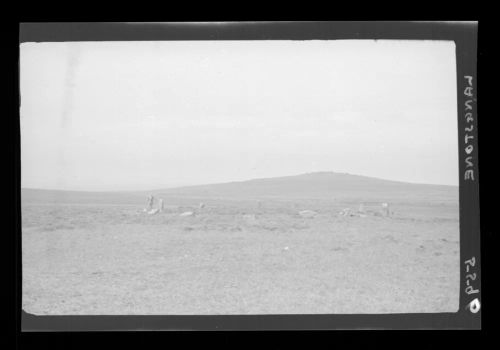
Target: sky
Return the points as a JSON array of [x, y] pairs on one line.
[[149, 115]]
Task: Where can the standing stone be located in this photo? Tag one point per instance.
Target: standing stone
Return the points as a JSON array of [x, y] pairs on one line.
[[361, 208], [385, 209], [150, 203]]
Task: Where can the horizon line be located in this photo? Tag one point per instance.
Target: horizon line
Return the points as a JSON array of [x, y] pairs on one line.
[[234, 181]]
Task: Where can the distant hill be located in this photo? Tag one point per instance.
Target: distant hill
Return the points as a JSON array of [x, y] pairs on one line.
[[29, 195], [319, 185]]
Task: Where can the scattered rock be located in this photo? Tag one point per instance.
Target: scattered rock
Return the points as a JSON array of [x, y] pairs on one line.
[[250, 219], [307, 213], [346, 212], [390, 238]]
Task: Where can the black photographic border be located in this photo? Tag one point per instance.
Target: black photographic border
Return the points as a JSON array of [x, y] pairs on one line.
[[464, 34]]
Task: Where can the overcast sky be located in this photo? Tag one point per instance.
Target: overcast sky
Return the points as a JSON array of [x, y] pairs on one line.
[[147, 115]]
